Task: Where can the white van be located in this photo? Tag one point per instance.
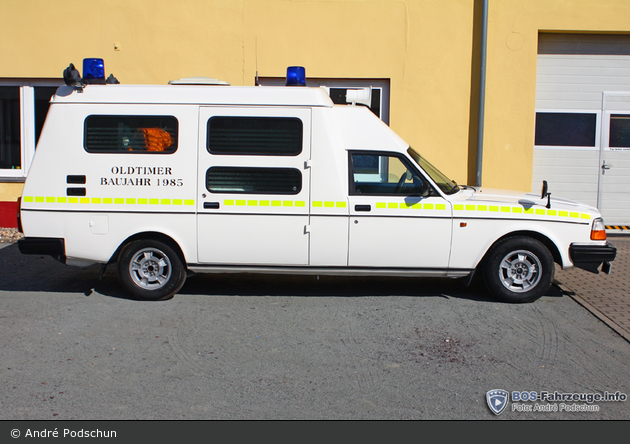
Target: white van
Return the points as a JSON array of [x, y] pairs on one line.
[[169, 180]]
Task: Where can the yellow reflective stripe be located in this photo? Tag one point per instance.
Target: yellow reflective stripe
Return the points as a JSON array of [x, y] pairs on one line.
[[107, 200], [521, 210], [302, 204], [257, 203]]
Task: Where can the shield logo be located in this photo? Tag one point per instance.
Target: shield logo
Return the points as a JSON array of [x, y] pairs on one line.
[[497, 400]]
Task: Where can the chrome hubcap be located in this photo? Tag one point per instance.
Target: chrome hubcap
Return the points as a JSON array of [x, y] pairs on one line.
[[150, 268], [520, 271]]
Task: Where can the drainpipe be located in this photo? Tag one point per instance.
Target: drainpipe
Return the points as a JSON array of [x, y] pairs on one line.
[[482, 89]]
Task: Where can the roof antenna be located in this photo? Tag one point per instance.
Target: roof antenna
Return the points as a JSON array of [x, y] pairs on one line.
[[257, 84]]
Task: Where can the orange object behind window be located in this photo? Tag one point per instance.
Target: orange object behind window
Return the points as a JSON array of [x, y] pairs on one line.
[[156, 139]]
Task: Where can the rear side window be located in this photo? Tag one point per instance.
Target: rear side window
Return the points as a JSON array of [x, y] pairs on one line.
[[275, 136], [253, 180], [131, 134]]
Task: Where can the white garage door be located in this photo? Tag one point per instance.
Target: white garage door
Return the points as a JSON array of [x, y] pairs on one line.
[[582, 142]]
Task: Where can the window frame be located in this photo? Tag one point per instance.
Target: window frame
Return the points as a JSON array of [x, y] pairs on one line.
[[403, 159], [250, 168], [254, 153], [27, 124], [343, 83], [598, 117]]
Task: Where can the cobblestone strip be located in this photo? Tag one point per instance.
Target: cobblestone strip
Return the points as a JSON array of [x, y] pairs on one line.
[[606, 296]]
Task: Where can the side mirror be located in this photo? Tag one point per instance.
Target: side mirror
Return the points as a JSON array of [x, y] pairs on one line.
[[425, 189], [545, 193]]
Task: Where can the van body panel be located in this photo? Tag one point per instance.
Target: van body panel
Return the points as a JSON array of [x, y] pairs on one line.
[[275, 180]]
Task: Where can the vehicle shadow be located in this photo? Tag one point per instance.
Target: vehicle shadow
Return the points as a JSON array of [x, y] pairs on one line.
[[35, 273]]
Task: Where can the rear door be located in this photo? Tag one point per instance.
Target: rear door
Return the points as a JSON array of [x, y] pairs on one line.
[[253, 186]]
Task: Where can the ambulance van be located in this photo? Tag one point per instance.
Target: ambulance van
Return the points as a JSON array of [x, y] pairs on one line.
[[166, 181]]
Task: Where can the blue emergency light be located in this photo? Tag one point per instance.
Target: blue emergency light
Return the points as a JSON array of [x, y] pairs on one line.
[[94, 70], [296, 76]]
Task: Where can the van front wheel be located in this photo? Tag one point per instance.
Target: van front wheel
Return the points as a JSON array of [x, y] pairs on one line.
[[519, 269], [150, 270]]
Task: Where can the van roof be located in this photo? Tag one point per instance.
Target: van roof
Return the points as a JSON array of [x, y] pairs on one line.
[[195, 94]]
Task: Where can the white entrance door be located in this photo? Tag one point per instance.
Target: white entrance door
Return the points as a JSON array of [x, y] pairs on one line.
[[614, 165]]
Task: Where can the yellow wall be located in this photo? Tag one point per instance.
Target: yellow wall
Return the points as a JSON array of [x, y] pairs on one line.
[[511, 82], [428, 48], [9, 192]]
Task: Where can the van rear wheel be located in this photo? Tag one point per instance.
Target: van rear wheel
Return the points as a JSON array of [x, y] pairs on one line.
[[150, 270], [519, 269]]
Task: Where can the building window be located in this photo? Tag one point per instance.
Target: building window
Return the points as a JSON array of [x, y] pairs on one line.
[[280, 136], [565, 129], [131, 134], [23, 108], [10, 140], [338, 96], [619, 131], [337, 88], [253, 180]]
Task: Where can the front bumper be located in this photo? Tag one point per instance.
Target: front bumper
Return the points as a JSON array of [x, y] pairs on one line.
[[54, 247], [591, 257]]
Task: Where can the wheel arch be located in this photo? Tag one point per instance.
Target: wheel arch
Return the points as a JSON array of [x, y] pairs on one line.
[[150, 235], [546, 241]]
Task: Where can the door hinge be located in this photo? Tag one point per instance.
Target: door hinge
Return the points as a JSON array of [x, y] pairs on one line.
[[307, 229], [307, 164]]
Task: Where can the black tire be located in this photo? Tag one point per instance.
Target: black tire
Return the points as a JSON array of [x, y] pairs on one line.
[[518, 269], [150, 270]]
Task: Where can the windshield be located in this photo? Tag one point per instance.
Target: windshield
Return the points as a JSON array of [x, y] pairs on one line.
[[447, 185]]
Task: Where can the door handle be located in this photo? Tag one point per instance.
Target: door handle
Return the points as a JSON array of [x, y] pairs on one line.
[[362, 208], [211, 205], [605, 167]]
